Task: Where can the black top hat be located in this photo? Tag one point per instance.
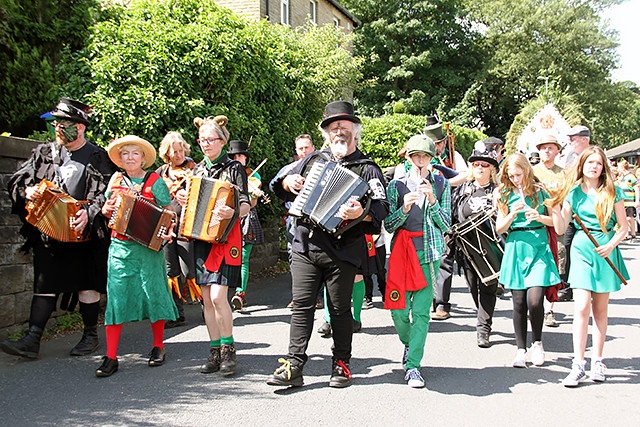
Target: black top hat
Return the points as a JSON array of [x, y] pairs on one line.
[[238, 147], [338, 110], [433, 129], [484, 153], [70, 109]]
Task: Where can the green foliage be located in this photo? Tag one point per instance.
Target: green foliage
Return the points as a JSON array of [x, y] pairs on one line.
[[32, 38], [153, 67], [564, 42], [422, 53], [383, 137]]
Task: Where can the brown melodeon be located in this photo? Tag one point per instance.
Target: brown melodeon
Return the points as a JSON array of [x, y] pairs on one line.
[[203, 196], [141, 220], [54, 213]]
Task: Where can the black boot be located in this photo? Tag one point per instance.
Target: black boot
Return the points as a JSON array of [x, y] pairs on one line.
[[227, 359], [213, 362], [27, 346], [88, 343]]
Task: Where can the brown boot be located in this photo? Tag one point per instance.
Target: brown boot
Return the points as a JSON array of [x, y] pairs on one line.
[[213, 362], [227, 359]]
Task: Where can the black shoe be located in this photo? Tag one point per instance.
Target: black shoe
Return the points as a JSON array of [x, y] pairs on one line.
[[340, 375], [227, 359], [27, 346], [357, 326], [88, 343], [156, 356], [287, 375], [367, 303], [213, 362], [181, 321], [108, 367], [483, 340], [325, 329]]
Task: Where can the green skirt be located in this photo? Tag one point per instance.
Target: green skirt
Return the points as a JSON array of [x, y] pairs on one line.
[[137, 287]]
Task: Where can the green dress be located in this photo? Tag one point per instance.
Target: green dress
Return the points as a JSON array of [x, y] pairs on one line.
[[528, 260], [137, 286], [588, 269]]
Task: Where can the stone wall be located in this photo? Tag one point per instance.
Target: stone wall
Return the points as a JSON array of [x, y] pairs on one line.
[[16, 268]]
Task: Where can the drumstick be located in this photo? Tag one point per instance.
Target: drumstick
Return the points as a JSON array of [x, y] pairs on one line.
[[593, 240]]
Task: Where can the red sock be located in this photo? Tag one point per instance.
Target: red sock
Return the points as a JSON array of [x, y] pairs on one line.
[[113, 339], [158, 333]]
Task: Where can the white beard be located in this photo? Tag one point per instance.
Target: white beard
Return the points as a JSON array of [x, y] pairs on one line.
[[339, 148]]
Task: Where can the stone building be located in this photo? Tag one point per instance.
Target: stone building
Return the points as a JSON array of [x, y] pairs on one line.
[[295, 12]]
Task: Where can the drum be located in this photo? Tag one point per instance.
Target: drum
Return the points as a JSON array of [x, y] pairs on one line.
[[481, 245]]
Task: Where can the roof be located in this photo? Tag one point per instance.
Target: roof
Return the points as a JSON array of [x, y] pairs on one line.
[[344, 10], [629, 149]]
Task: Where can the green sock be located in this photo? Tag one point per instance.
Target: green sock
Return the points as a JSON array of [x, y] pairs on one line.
[[214, 343], [226, 340], [358, 298]]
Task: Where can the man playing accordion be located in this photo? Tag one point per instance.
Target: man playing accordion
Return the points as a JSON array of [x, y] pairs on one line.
[[320, 257]]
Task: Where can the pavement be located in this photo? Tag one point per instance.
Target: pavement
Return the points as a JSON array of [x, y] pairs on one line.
[[466, 385]]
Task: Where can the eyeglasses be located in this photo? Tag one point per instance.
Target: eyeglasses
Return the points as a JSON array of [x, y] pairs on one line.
[[206, 141], [480, 164]]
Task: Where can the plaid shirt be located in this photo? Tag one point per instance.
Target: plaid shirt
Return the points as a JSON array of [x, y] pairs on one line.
[[436, 218]]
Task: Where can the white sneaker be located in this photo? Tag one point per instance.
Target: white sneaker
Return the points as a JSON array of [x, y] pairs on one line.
[[597, 371], [537, 353], [575, 376], [520, 361], [413, 378]]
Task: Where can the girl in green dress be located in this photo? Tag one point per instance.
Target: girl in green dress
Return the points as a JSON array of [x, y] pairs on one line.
[[591, 194], [528, 267]]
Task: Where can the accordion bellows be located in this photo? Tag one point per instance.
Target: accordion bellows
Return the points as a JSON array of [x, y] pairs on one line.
[[141, 220], [327, 187], [54, 213], [203, 196]]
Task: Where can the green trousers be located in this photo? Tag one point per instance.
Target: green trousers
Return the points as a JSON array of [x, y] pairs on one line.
[[412, 322]]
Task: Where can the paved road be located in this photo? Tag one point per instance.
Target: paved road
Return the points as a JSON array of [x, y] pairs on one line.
[[466, 385]]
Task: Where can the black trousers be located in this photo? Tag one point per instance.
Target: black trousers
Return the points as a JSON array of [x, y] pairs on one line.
[[484, 297], [443, 284], [309, 271], [568, 239]]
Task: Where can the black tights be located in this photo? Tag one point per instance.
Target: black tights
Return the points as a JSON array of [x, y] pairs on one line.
[[531, 300]]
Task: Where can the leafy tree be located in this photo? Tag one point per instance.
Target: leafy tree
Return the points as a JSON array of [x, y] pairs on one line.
[[420, 53], [561, 41], [155, 65], [33, 36]]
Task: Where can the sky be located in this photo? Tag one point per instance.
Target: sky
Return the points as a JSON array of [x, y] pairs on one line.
[[622, 19]]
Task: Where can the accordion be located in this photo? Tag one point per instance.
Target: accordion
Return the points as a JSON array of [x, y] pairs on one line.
[[54, 213], [326, 188], [141, 220], [203, 196]]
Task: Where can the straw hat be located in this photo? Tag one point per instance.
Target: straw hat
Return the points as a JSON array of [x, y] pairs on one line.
[[116, 145]]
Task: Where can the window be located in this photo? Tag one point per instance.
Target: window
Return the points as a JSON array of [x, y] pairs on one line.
[[313, 7], [284, 12], [336, 22]]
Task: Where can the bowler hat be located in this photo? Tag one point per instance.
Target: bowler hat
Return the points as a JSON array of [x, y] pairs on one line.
[[238, 147], [70, 109], [116, 145], [338, 110]]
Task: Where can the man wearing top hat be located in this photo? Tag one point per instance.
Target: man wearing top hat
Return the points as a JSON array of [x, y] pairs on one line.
[[319, 258], [454, 160], [82, 170]]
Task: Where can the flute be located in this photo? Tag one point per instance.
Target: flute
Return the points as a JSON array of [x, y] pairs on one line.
[[593, 240]]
